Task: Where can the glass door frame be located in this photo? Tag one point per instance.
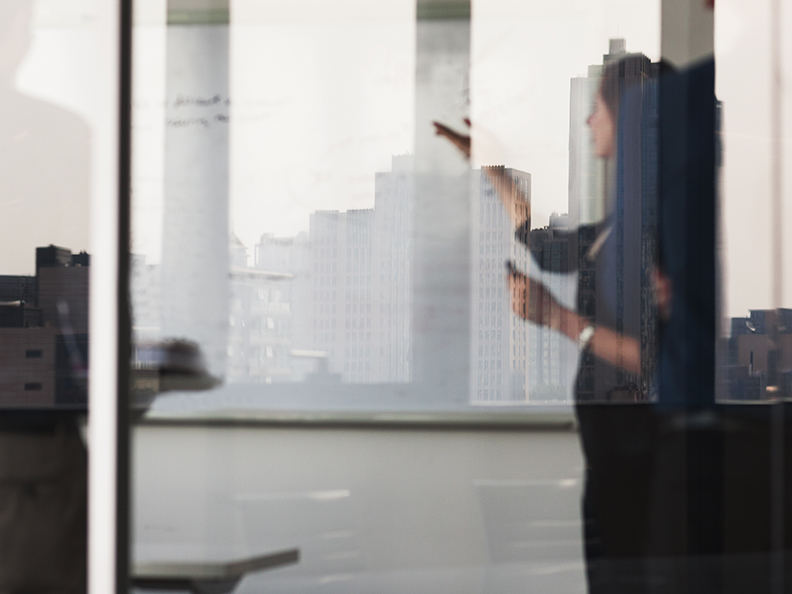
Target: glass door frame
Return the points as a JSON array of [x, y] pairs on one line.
[[108, 425]]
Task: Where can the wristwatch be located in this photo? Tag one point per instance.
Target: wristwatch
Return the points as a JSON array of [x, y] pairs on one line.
[[585, 336]]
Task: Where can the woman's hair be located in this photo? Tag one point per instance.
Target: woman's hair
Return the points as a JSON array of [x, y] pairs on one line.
[[620, 75]]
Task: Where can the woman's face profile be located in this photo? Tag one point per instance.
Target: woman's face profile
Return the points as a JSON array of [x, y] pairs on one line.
[[603, 129]]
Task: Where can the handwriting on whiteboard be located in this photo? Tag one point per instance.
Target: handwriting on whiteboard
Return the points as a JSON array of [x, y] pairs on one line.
[[190, 111]]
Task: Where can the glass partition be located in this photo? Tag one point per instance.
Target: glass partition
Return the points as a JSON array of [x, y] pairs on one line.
[[375, 245], [307, 236]]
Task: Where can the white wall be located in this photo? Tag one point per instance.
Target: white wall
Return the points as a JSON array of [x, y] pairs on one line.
[[372, 510]]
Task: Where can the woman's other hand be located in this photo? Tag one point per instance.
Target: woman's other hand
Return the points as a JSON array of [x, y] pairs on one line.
[[533, 302]]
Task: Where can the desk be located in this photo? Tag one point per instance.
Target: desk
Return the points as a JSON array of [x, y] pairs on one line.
[[206, 578]]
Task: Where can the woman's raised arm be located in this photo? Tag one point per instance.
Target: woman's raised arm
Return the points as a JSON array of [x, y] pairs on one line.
[[514, 200]]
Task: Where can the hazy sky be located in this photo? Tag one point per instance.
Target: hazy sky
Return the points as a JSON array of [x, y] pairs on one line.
[[321, 102], [312, 126]]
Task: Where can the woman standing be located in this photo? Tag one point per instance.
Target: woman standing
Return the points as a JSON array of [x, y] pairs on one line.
[[614, 323]]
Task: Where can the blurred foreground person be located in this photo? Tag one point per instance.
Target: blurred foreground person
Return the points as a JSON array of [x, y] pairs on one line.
[[43, 201]]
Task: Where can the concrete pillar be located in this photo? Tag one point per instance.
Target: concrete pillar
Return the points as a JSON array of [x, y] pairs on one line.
[[441, 209], [195, 260]]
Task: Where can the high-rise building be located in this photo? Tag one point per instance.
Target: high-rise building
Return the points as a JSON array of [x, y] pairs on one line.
[[44, 332], [551, 361], [267, 322], [499, 339], [347, 302], [145, 296], [604, 200], [759, 361], [361, 291], [393, 201], [343, 291], [587, 200]]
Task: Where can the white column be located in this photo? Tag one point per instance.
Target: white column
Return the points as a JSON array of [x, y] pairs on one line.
[[441, 211], [195, 260]]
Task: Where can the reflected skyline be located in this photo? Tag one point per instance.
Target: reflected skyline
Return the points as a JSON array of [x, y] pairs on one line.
[[44, 176], [758, 364], [44, 333], [334, 305], [585, 201]]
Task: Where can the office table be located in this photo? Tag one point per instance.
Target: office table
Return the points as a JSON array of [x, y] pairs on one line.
[[209, 577]]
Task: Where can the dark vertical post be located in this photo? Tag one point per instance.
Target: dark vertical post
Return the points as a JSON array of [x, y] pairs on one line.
[[124, 314], [777, 476], [687, 234]]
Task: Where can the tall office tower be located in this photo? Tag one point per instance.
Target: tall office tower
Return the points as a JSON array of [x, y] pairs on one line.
[[613, 203], [292, 256], [344, 313], [145, 297], [267, 315], [499, 339], [586, 172], [587, 194], [587, 200], [323, 309], [245, 331], [361, 291], [343, 291], [635, 220], [393, 271], [552, 357]]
